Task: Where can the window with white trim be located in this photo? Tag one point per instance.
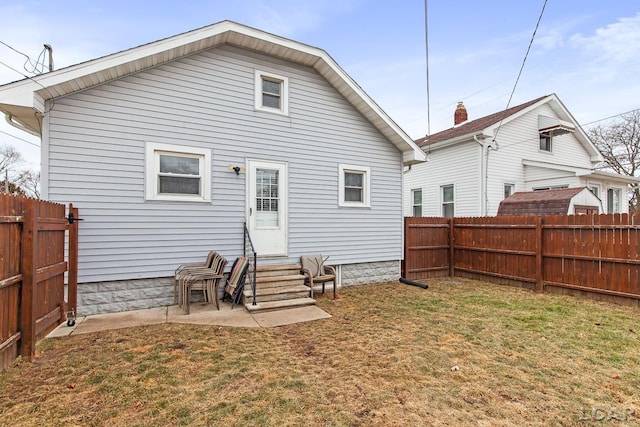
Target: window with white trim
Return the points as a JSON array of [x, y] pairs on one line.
[[175, 172], [416, 197], [545, 142], [447, 201], [509, 189], [613, 200], [271, 93], [355, 186]]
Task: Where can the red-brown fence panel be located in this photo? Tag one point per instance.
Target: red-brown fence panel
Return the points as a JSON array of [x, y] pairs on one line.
[[596, 254], [32, 272], [426, 249]]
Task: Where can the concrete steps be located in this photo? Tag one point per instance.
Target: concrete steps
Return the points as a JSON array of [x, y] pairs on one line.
[[278, 287]]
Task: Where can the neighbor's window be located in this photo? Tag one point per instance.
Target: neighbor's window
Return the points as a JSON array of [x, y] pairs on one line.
[[271, 93], [613, 200], [447, 201], [177, 173], [509, 189], [354, 184], [416, 197], [545, 142], [595, 189]]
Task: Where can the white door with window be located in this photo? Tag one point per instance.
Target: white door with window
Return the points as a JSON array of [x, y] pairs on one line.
[[267, 203]]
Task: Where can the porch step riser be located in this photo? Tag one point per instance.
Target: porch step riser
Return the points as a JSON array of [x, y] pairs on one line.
[[279, 284], [276, 297], [278, 287], [277, 273], [278, 305]]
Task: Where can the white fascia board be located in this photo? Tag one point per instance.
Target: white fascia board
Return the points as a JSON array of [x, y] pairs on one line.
[[555, 166], [632, 180]]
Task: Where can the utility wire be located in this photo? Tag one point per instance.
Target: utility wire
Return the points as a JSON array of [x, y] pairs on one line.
[[611, 117], [426, 50], [533, 36], [21, 139], [36, 68]]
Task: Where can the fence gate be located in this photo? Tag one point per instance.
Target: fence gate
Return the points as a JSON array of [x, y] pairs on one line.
[[32, 272]]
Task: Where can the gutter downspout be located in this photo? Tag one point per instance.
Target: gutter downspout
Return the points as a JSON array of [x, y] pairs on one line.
[[483, 179]]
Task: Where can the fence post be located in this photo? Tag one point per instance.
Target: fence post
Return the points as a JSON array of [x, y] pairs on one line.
[[451, 251], [539, 273], [29, 258], [72, 274]]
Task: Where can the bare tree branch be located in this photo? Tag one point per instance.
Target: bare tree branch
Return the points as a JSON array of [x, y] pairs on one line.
[[619, 144]]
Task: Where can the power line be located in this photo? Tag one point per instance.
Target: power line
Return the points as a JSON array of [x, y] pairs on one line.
[[611, 117], [21, 139], [533, 36], [426, 49], [36, 67]]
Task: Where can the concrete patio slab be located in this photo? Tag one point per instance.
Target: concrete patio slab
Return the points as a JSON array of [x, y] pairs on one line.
[[127, 319], [201, 314], [308, 313], [206, 314]]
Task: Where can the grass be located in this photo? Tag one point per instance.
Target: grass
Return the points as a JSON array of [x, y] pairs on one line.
[[460, 353]]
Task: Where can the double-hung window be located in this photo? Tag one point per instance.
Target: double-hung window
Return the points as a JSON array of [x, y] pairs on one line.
[[509, 189], [177, 173], [416, 197], [545, 142], [271, 93], [447, 201], [354, 182], [613, 200]]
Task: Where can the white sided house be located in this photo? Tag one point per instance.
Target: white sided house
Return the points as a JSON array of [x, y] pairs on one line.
[[476, 164], [167, 149]]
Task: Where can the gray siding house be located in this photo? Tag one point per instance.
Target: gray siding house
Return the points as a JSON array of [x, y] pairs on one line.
[[167, 149]]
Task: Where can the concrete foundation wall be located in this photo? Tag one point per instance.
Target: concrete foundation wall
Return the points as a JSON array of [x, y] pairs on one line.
[[370, 272], [126, 295]]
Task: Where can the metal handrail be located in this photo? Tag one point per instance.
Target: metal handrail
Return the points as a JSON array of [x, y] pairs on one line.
[[252, 275]]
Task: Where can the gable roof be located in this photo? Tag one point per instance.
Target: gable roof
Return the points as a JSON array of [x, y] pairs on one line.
[[539, 202], [475, 125], [487, 124], [23, 102]]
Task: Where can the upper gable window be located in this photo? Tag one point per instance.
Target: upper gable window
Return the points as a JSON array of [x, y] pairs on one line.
[[177, 173], [271, 93]]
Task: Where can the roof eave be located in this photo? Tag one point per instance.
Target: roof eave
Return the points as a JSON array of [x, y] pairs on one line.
[[91, 73]]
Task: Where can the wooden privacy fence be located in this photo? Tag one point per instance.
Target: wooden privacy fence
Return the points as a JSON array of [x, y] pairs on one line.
[[597, 254], [32, 272]]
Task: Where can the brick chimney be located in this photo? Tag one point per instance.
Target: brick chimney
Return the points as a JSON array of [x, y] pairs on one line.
[[460, 114]]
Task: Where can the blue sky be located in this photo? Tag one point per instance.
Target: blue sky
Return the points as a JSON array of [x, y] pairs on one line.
[[586, 51]]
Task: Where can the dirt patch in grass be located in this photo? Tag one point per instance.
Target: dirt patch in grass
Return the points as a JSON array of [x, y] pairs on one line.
[[460, 353]]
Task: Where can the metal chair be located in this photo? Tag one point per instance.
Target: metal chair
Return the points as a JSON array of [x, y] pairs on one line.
[[204, 279], [315, 272]]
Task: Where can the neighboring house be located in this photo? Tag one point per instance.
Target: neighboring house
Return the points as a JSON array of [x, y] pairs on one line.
[[562, 201], [539, 146], [168, 148]]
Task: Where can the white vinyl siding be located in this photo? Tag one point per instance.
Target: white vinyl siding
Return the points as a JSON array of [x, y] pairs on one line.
[[459, 166], [479, 179], [96, 160]]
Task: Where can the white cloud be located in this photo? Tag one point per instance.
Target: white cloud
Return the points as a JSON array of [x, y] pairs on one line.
[[618, 42]]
